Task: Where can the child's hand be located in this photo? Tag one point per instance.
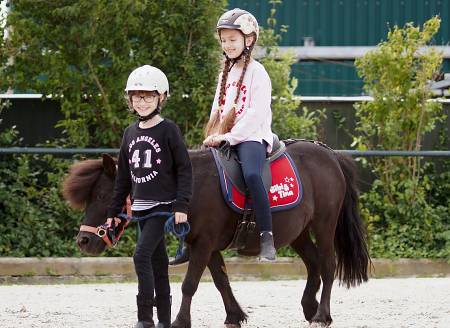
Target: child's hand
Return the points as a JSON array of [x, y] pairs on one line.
[[180, 217], [109, 221], [214, 140]]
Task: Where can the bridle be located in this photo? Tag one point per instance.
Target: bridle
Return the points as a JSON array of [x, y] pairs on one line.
[[110, 235]]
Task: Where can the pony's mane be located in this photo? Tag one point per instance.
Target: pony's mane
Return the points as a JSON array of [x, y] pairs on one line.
[[78, 183]]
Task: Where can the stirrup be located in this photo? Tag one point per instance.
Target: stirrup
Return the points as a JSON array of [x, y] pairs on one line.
[[182, 258]]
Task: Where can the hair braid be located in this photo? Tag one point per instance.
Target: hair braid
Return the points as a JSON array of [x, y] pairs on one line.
[[223, 83], [246, 59], [215, 125]]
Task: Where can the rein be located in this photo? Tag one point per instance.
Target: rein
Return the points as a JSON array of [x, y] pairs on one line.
[[179, 230], [111, 235]]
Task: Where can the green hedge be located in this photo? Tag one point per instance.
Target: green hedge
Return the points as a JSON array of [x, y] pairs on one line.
[[81, 52], [36, 221]]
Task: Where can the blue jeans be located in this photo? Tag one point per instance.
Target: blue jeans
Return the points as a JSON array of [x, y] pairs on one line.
[[252, 155]]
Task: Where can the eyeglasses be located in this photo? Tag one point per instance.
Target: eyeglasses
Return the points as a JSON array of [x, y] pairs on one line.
[[147, 99]]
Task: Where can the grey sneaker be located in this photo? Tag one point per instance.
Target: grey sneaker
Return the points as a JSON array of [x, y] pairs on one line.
[[268, 252]]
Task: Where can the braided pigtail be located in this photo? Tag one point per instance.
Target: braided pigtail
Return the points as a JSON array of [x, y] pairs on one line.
[[223, 83], [246, 58], [228, 121], [213, 124]]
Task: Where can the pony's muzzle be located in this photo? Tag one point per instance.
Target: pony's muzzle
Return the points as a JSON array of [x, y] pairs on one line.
[[82, 241]]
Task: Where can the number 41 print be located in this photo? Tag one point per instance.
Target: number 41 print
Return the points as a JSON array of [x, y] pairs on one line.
[[148, 158]]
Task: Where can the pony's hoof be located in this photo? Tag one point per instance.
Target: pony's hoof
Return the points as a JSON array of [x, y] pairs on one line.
[[318, 325], [180, 324], [232, 325], [309, 309], [322, 320]]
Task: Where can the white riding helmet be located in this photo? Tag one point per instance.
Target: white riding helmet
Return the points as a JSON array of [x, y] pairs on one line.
[[239, 19], [148, 78]]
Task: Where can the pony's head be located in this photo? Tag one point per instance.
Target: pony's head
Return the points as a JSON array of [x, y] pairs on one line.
[[89, 187]]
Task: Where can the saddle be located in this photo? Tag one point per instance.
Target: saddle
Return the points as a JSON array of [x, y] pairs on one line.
[[246, 237], [227, 158]]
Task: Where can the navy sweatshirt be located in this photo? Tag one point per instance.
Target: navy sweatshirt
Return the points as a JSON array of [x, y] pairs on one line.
[[153, 165]]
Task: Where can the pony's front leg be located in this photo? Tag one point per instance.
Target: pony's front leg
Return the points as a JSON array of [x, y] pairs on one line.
[[235, 315], [199, 258]]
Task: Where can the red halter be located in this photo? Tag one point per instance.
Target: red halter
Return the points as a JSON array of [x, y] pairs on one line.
[[101, 230]]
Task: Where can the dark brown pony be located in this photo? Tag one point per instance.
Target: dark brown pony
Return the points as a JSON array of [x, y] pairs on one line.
[[328, 213]]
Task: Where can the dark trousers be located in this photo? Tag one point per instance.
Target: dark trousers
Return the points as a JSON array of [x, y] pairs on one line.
[[151, 262], [252, 156]]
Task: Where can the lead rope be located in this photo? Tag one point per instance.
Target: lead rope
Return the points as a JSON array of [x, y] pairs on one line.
[[179, 230]]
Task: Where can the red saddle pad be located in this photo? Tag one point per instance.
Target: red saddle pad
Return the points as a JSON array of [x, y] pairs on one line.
[[285, 191]]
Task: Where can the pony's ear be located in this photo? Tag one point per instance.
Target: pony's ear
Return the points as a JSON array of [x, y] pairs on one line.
[[109, 165]]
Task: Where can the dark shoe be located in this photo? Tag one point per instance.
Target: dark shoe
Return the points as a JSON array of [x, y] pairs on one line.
[[268, 252], [182, 258], [163, 309], [144, 312]]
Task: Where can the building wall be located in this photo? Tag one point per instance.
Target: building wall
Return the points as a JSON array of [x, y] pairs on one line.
[[35, 119], [344, 23]]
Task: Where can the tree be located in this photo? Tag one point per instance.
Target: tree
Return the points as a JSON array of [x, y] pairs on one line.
[[402, 215], [81, 52], [397, 75]]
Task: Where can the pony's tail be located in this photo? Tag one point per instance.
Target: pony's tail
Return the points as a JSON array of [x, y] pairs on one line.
[[350, 239]]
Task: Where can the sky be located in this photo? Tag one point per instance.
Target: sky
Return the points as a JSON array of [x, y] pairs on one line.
[[2, 11], [2, 6]]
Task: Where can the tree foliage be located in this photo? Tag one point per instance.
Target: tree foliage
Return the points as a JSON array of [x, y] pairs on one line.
[[404, 218], [81, 52], [397, 76]]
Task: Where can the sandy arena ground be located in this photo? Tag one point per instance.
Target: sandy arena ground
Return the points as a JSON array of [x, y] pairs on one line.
[[413, 302]]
